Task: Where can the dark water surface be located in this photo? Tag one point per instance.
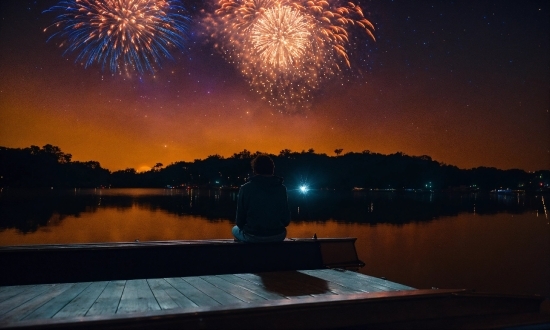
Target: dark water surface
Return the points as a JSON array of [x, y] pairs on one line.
[[494, 243]]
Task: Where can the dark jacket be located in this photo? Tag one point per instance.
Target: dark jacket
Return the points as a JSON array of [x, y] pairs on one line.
[[262, 207]]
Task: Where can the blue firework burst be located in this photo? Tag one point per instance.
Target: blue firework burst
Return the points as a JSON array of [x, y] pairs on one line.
[[124, 35]]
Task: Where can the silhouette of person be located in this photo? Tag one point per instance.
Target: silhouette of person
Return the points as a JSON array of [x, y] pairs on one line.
[[262, 206]]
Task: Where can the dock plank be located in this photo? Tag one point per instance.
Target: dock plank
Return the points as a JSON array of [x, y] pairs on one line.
[[349, 279], [254, 287], [21, 298], [232, 289], [379, 282], [192, 293], [54, 305], [108, 300], [13, 290], [394, 285], [180, 299], [137, 297], [167, 296], [163, 299], [212, 291], [352, 284], [28, 307], [83, 302]]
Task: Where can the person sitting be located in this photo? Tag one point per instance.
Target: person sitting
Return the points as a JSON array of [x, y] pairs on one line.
[[262, 205]]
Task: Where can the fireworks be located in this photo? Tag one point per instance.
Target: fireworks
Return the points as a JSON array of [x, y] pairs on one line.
[[129, 35], [280, 37], [286, 48]]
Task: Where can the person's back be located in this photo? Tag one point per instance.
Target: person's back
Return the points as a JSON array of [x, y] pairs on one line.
[[262, 207]]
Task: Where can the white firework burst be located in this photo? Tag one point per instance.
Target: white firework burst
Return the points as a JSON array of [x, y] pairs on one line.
[[281, 36]]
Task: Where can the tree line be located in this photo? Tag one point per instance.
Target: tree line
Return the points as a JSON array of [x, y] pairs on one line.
[[48, 166]]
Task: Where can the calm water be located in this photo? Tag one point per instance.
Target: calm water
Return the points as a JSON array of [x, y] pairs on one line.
[[495, 243]]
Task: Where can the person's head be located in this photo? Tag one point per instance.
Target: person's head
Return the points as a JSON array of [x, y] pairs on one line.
[[263, 165]]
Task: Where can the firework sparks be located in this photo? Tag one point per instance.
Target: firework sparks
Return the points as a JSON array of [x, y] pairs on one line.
[[286, 48], [122, 34], [281, 36]]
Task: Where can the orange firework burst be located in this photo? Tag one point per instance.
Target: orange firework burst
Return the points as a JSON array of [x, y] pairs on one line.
[[286, 48]]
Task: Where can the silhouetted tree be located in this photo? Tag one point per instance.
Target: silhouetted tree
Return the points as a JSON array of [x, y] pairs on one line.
[[50, 167], [285, 153], [47, 167], [245, 154]]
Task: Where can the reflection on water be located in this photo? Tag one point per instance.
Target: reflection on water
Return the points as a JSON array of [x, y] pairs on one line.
[[498, 243], [27, 211]]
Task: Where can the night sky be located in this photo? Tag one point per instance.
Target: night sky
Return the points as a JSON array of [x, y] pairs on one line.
[[465, 82]]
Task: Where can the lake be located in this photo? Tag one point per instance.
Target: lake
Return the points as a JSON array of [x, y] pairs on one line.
[[487, 242]]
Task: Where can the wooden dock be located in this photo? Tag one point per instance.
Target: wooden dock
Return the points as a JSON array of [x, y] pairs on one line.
[[101, 286], [66, 303]]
